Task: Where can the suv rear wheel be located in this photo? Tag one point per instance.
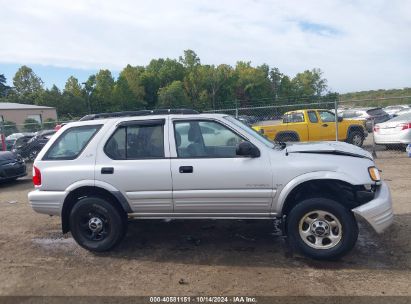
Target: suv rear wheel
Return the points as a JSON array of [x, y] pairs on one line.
[[96, 224], [322, 228]]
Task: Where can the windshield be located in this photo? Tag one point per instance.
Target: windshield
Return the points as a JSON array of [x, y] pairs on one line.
[[250, 131], [404, 117]]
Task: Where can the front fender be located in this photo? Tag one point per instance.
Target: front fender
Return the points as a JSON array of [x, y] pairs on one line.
[[286, 190]]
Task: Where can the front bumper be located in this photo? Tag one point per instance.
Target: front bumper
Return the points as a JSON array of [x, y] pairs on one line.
[[47, 202], [378, 212]]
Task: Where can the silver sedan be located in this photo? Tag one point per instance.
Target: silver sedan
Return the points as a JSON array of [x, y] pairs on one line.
[[394, 131]]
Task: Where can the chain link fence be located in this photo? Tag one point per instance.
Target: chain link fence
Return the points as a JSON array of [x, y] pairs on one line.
[[27, 139], [380, 125], [385, 125]]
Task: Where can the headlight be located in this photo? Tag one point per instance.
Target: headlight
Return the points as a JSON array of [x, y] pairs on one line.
[[374, 174]]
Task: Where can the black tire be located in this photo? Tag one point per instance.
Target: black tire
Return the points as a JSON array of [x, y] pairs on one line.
[[287, 138], [356, 138], [349, 228], [98, 210], [397, 147]]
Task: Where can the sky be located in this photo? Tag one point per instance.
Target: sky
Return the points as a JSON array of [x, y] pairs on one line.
[[359, 45]]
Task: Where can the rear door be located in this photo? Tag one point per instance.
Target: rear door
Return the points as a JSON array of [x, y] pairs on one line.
[[315, 127], [135, 160]]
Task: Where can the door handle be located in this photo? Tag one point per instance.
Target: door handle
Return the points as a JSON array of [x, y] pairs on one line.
[[325, 125], [107, 170], [186, 169]]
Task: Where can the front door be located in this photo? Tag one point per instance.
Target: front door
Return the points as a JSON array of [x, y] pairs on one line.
[[208, 176], [327, 124]]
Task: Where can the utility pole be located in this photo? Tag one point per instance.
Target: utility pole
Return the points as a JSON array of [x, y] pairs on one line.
[[2, 137], [88, 92], [336, 118]]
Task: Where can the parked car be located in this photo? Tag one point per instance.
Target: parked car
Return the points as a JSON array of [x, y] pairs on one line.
[[314, 125], [12, 166], [32, 147], [369, 115], [392, 110], [17, 139], [99, 172], [59, 126], [248, 120], [396, 131], [402, 112]]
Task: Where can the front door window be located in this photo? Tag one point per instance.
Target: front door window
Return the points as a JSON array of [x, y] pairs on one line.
[[205, 139]]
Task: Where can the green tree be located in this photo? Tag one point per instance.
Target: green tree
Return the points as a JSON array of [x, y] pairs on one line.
[[309, 83], [102, 93], [169, 71], [49, 123], [31, 125], [214, 79], [73, 87], [124, 97], [285, 90], [189, 59], [252, 83], [10, 127], [275, 78], [74, 99], [27, 85], [129, 92], [50, 98], [173, 96], [4, 88], [133, 77]]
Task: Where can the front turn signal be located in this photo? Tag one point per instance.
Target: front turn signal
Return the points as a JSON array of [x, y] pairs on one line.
[[374, 174]]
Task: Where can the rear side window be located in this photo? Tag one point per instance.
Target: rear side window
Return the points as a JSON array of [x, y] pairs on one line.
[[376, 111], [351, 114], [293, 117], [71, 143], [137, 141]]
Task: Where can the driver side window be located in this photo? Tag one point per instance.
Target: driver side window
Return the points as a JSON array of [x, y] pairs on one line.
[[205, 139], [326, 116]]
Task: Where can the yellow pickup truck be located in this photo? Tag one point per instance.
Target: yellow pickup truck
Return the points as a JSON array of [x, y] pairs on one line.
[[313, 125]]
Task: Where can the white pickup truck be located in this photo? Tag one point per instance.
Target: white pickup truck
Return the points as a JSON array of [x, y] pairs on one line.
[[99, 172]]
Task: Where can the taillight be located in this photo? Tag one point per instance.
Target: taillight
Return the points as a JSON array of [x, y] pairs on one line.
[[36, 176], [405, 126], [376, 128]]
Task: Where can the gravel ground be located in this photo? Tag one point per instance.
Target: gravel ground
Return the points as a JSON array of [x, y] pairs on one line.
[[200, 257]]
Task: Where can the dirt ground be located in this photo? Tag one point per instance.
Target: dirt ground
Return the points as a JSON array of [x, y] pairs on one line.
[[200, 257]]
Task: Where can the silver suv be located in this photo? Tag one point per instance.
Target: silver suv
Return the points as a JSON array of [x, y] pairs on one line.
[[99, 172]]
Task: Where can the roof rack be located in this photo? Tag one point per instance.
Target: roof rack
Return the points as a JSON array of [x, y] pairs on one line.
[[138, 113]]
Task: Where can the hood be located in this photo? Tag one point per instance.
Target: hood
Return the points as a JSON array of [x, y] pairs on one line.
[[328, 147], [7, 156]]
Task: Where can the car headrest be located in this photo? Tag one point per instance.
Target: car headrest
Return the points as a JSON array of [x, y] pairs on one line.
[[193, 135]]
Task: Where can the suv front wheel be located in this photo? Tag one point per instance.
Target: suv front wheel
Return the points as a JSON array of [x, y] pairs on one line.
[[322, 228], [96, 224]]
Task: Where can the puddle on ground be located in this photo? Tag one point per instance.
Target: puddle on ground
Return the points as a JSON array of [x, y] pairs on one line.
[[54, 242]]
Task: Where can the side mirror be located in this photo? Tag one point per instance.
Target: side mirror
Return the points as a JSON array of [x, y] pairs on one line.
[[340, 119], [246, 148]]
